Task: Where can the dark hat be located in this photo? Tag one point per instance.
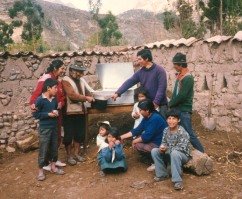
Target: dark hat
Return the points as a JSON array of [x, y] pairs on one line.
[[77, 67], [179, 58]]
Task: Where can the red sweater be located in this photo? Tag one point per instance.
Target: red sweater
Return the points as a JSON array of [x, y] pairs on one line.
[[38, 90]]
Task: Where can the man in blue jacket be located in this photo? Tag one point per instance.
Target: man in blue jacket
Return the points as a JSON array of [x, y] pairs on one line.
[[151, 77]]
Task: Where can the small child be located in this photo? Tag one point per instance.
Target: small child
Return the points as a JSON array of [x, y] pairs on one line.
[[46, 112], [103, 129], [175, 149], [112, 157], [142, 95]]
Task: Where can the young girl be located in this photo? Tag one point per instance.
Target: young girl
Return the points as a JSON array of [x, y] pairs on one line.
[[112, 158], [103, 129], [142, 95]]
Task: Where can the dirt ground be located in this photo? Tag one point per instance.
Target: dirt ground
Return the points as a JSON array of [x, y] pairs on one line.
[[18, 172]]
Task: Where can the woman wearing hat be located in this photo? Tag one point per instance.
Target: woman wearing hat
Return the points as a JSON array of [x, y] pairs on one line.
[[55, 69], [74, 117]]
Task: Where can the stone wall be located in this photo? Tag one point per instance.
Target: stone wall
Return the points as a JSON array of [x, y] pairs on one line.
[[217, 68]]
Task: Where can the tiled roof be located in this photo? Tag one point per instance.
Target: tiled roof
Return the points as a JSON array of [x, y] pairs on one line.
[[217, 39], [166, 43], [238, 36]]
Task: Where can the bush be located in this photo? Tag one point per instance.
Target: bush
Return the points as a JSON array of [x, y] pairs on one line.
[[17, 23]]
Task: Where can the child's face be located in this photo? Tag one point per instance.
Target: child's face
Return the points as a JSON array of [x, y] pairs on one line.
[[172, 122], [111, 138], [141, 97], [102, 131], [53, 90]]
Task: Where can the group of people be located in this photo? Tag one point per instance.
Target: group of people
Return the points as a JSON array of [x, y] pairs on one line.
[[162, 133]]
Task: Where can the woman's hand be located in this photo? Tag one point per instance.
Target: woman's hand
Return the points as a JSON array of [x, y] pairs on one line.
[[59, 106]]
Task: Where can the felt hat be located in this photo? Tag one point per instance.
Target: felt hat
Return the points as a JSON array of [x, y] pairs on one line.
[[179, 58], [77, 67]]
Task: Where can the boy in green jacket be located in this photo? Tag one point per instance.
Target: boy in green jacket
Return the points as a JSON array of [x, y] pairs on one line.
[[182, 97]]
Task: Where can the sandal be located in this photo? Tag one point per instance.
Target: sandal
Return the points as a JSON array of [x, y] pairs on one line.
[[41, 177], [80, 158], [58, 171]]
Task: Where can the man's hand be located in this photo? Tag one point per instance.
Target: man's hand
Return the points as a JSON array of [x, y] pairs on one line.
[[163, 148], [117, 142], [156, 106], [89, 99], [114, 97]]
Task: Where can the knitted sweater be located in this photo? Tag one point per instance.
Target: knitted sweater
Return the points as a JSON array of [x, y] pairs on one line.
[[153, 80], [177, 140], [45, 106], [182, 96]]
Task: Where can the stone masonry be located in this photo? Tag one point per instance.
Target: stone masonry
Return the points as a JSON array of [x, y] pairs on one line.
[[217, 68]]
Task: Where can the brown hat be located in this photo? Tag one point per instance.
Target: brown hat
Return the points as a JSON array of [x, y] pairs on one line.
[[77, 67]]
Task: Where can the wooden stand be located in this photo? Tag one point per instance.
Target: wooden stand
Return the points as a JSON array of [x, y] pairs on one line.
[[123, 108]]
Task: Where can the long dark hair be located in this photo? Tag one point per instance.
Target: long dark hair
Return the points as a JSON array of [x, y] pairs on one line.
[[54, 65]]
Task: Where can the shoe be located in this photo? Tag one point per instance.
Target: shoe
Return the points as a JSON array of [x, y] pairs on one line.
[[158, 179], [79, 158], [60, 164], [71, 161], [151, 168], [58, 171], [178, 186], [41, 177], [47, 168]]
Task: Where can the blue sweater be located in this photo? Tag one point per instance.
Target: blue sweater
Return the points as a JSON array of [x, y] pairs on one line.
[[153, 80], [152, 127], [44, 106]]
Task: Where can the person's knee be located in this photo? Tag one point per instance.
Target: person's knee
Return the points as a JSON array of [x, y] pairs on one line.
[[155, 152], [175, 154]]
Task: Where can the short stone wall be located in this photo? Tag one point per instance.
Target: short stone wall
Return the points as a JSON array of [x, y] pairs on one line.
[[217, 69]]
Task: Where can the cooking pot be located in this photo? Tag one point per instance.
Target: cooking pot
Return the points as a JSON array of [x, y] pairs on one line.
[[99, 104], [101, 100]]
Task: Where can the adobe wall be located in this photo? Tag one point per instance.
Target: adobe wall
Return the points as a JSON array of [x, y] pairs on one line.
[[218, 83]]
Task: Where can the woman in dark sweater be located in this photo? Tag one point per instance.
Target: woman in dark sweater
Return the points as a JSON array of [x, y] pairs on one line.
[[149, 133]]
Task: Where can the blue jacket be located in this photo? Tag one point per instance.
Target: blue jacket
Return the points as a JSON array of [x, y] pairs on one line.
[[105, 158], [151, 129]]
